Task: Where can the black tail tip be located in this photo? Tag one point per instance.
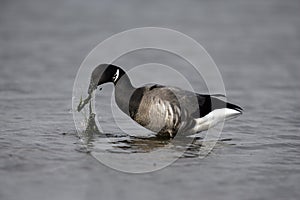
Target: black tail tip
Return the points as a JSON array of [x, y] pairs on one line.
[[234, 107]]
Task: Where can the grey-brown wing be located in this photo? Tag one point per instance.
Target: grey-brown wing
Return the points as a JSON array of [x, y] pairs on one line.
[[196, 105], [183, 99], [200, 105], [158, 111]]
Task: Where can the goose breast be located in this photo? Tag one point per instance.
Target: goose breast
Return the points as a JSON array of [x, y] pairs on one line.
[[158, 109]]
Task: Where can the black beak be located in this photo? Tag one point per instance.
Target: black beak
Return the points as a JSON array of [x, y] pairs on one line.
[[92, 87]]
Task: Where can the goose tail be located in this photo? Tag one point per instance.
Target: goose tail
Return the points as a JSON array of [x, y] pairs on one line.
[[234, 107]]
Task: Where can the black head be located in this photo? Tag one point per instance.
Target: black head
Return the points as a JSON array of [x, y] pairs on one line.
[[105, 73]]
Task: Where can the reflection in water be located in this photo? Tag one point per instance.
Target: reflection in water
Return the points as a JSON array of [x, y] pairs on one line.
[[123, 143]]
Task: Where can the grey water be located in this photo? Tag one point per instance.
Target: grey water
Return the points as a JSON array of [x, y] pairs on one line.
[[256, 46]]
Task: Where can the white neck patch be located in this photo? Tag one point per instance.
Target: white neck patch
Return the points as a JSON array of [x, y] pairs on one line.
[[116, 76]]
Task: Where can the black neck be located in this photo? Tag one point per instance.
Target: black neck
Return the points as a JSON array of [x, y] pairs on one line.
[[123, 92]]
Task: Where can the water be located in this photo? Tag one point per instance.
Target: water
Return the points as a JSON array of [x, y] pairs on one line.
[[254, 43]]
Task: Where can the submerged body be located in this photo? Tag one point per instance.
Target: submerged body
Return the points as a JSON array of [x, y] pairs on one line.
[[164, 110]]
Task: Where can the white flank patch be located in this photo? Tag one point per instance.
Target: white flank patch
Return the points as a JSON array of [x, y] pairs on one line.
[[215, 117]]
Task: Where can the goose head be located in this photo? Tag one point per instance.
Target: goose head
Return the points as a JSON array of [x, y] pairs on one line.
[[104, 73]]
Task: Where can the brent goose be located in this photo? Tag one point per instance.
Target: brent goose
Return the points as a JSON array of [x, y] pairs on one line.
[[162, 109]]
